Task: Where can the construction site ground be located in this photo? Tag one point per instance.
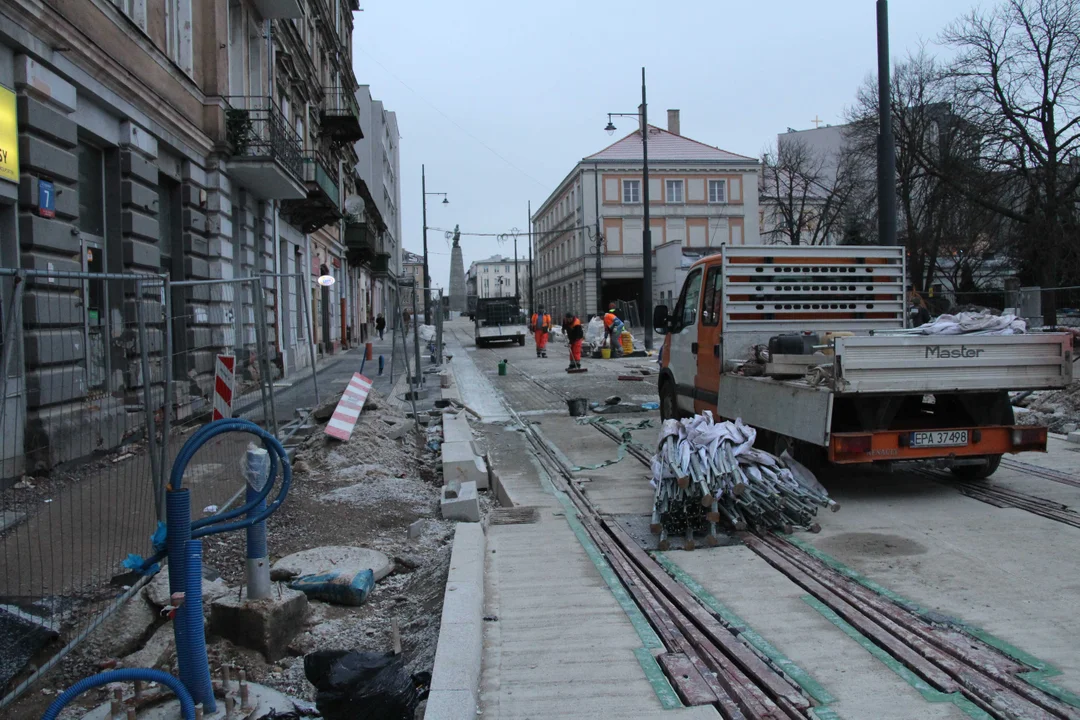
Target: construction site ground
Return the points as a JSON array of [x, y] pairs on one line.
[[562, 639]]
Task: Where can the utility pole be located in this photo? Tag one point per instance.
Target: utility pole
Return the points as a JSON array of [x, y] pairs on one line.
[[532, 300], [517, 292], [427, 295], [886, 142], [646, 235]]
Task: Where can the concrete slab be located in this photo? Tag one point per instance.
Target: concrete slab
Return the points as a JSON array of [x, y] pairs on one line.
[[320, 560], [460, 462], [456, 428], [11, 518], [157, 590], [465, 507], [262, 701], [267, 625], [456, 673]]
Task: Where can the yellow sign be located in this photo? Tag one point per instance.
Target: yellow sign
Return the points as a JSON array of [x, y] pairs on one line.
[[9, 137]]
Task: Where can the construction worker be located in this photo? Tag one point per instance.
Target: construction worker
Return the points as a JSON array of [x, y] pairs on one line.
[[541, 325], [613, 328], [575, 334]]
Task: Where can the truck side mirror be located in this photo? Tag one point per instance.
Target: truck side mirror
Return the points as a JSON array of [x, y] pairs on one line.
[[660, 319]]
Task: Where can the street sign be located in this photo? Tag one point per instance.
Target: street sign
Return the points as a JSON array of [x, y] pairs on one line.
[[46, 199]]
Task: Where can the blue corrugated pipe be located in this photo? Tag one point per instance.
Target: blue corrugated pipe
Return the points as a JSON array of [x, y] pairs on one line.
[[191, 619], [187, 705], [178, 524]]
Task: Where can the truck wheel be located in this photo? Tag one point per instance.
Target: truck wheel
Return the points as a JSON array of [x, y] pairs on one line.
[[669, 404], [521, 341], [977, 472]]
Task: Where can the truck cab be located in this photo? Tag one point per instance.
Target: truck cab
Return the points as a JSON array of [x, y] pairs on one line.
[[846, 381]]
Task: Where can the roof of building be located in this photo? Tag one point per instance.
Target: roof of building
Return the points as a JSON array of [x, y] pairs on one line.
[[497, 259], [411, 258], [664, 145]]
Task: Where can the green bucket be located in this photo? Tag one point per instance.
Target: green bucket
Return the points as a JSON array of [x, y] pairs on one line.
[[502, 367]]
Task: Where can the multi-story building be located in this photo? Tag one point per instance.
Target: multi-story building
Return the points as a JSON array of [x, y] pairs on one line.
[[379, 168], [495, 277], [699, 197], [203, 139], [412, 276]]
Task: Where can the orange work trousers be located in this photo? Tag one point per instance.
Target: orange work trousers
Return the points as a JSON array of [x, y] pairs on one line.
[[575, 350], [541, 339]]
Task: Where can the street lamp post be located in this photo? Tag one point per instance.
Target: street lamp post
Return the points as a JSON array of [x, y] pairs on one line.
[[646, 235], [427, 277]]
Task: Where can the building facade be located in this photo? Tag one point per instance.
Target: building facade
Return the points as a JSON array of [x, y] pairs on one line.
[[203, 139], [379, 168], [495, 277], [412, 276], [699, 197]]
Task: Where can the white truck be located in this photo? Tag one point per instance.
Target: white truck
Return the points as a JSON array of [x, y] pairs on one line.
[[498, 320], [850, 385]]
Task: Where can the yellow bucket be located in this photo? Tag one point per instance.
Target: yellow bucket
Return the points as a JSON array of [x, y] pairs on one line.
[[605, 353]]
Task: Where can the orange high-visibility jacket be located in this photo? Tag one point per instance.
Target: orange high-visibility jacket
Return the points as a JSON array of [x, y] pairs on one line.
[[541, 323]]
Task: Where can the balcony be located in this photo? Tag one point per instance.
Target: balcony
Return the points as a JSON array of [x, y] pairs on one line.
[[321, 205], [361, 241], [341, 116], [278, 9], [266, 153]]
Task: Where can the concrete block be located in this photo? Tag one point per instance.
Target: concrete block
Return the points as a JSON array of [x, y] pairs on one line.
[[157, 652], [49, 160], [196, 268], [137, 224], [456, 428], [498, 489], [47, 121], [193, 173], [131, 135], [71, 432], [137, 194], [48, 386], [157, 593], [135, 165], [125, 630], [45, 347], [416, 529], [398, 430], [36, 79], [40, 308], [141, 254], [65, 198], [267, 625], [461, 463], [194, 220], [456, 672], [33, 260], [1074, 437], [47, 234], [465, 507], [195, 244]]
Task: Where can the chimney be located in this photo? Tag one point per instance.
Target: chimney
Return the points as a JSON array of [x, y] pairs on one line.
[[673, 122]]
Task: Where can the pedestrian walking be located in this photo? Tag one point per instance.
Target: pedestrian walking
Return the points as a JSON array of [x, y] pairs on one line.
[[576, 335], [541, 326], [406, 316], [380, 325]]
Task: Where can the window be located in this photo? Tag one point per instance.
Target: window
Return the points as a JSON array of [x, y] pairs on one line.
[[688, 301], [631, 191], [91, 191], [506, 268], [710, 308], [717, 191], [674, 191]]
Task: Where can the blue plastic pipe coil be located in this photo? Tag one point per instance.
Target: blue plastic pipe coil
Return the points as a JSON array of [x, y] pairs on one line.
[[191, 619], [187, 705]]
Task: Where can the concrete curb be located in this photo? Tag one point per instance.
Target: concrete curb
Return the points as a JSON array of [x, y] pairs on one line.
[[455, 679], [460, 461]]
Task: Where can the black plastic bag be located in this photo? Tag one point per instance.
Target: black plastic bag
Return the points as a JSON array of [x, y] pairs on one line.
[[356, 685]]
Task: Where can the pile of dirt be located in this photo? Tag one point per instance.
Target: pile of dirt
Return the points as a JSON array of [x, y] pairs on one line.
[[365, 492]]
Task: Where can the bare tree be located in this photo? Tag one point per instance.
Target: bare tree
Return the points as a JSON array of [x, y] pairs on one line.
[[1017, 79], [936, 220], [804, 193]]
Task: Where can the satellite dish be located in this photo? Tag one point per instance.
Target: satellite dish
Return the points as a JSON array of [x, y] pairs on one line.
[[354, 205]]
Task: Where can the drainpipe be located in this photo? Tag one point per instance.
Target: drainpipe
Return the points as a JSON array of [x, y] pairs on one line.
[[279, 283]]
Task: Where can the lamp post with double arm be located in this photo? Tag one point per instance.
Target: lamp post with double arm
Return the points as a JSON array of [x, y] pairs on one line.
[[646, 235], [427, 277]]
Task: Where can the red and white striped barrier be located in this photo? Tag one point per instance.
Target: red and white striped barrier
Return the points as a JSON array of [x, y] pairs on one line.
[[348, 408], [224, 383]]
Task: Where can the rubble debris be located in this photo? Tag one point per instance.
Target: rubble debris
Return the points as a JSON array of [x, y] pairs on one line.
[[708, 474], [330, 558]]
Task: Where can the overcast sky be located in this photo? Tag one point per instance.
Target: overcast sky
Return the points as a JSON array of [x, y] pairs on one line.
[[501, 99]]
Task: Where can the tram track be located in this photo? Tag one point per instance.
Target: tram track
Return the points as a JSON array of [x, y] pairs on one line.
[[980, 678]]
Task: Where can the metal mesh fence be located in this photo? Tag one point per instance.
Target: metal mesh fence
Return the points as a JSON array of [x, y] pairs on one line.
[[104, 379], [83, 391]]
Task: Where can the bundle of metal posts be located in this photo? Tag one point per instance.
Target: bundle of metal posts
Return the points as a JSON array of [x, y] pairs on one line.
[[707, 473]]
